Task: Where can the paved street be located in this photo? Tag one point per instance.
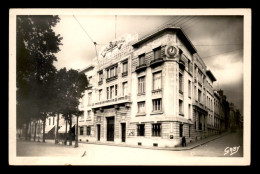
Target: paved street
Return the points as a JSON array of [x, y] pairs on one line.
[[128, 155], [216, 148]]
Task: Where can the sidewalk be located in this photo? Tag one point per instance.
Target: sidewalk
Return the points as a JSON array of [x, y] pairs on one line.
[[188, 147]]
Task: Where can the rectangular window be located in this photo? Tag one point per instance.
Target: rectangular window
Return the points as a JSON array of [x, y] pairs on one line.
[[189, 88], [181, 130], [108, 73], [89, 115], [100, 76], [196, 120], [81, 130], [189, 66], [124, 88], [157, 53], [156, 130], [157, 104], [180, 107], [195, 92], [107, 93], [115, 90], [200, 123], [89, 98], [189, 130], [140, 129], [49, 121], [100, 95], [141, 59], [141, 107], [180, 83], [157, 80], [88, 130], [141, 85], [112, 72], [199, 95], [111, 92], [189, 111], [90, 80], [81, 117], [125, 67], [115, 68]]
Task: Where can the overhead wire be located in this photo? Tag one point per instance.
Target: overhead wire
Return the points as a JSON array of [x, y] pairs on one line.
[[186, 21], [185, 17], [95, 43]]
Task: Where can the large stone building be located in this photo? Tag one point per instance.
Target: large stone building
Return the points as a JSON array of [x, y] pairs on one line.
[[149, 92]]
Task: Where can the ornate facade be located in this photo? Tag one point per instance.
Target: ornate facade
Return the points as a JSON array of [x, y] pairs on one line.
[[149, 92]]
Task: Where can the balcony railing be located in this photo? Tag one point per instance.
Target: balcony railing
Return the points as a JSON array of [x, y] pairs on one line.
[[100, 82], [111, 78], [124, 73], [89, 86], [156, 62], [156, 91], [141, 67], [113, 101]]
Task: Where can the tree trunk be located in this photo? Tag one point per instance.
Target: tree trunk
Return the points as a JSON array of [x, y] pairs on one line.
[[43, 131], [26, 131], [35, 128], [76, 137], [57, 130], [39, 130], [65, 142], [30, 131], [70, 133]]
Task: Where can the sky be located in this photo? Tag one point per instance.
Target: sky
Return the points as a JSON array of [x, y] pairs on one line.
[[218, 40]]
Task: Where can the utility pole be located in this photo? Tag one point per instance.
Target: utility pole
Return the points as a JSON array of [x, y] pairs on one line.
[[76, 138]]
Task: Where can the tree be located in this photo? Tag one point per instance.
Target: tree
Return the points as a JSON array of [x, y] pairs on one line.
[[72, 85], [36, 45]]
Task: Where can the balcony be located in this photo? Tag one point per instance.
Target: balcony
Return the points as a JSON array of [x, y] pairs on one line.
[[157, 91], [124, 73], [114, 101], [156, 62], [181, 114], [111, 78], [182, 64], [140, 67], [89, 86], [100, 82]]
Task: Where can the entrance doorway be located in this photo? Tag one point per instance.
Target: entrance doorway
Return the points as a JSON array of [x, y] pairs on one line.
[[98, 132], [110, 128], [123, 131]]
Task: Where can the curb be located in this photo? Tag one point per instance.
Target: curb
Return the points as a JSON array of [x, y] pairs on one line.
[[159, 148]]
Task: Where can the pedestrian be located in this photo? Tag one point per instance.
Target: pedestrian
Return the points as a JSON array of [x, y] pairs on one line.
[[183, 141]]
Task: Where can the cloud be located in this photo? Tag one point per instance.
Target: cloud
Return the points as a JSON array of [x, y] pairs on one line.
[[226, 68], [78, 50]]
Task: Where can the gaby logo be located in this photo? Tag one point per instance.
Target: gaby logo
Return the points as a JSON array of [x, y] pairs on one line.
[[231, 150], [112, 46]]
